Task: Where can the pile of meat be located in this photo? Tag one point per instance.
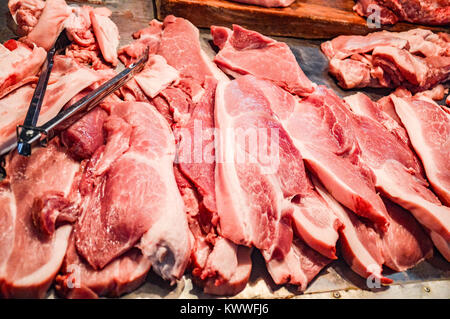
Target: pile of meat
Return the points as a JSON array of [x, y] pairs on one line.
[[431, 12], [417, 59], [195, 164]]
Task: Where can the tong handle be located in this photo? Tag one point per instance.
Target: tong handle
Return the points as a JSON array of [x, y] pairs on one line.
[[35, 105]]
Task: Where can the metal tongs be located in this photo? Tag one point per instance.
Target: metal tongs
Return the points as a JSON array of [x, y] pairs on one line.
[[29, 133]]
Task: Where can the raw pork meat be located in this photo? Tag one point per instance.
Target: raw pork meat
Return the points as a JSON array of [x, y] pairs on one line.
[[411, 71], [189, 100], [336, 160], [20, 64], [360, 244], [95, 37], [83, 133], [31, 259], [25, 14], [414, 246], [442, 245], [419, 199], [366, 249], [437, 93], [299, 266], [245, 104], [398, 173], [250, 194], [247, 52], [386, 105], [322, 130], [226, 270], [149, 37], [78, 26], [184, 54], [416, 59], [156, 76], [345, 46], [107, 36], [139, 151], [268, 3], [367, 8], [79, 280], [428, 127], [211, 250], [86, 135], [363, 105], [432, 12], [92, 32], [365, 259]]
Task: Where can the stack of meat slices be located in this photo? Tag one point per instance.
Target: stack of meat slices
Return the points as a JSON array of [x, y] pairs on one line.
[[352, 156], [268, 3]]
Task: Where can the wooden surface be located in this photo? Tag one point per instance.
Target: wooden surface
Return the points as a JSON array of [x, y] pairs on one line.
[[310, 19]]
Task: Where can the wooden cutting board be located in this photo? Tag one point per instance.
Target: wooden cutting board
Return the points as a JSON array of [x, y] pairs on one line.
[[310, 19]]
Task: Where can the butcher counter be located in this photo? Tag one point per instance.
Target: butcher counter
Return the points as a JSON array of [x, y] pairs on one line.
[[430, 279]]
